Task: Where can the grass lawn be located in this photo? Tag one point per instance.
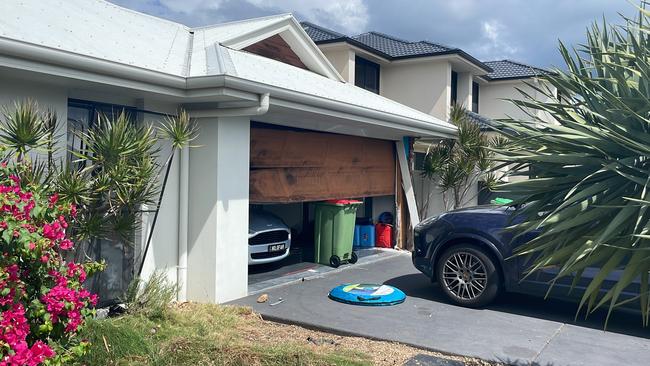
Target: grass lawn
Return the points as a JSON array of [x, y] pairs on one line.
[[197, 334]]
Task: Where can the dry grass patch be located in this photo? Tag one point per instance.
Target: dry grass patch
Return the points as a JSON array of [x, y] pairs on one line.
[[199, 334]]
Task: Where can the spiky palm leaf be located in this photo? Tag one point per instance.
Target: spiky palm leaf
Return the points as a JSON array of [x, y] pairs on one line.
[[589, 194], [121, 168], [457, 164], [179, 130], [22, 129]]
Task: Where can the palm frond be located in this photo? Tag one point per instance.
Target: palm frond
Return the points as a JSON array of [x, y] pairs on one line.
[[589, 196]]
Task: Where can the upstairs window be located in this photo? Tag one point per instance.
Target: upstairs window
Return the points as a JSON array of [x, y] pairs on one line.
[[454, 88], [366, 74], [475, 97]]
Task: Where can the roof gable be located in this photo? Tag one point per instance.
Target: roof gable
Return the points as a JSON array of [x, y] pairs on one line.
[[102, 30], [241, 34], [277, 49]]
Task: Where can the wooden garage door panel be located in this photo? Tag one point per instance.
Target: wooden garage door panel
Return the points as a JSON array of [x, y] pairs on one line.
[[285, 149], [290, 166]]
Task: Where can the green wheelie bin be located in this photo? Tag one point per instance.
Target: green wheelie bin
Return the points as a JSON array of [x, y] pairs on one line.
[[334, 232]]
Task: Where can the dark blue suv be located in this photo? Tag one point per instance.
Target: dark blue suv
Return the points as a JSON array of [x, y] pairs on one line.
[[468, 253]]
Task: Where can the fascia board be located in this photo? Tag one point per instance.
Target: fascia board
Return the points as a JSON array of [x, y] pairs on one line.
[[84, 68], [353, 112]]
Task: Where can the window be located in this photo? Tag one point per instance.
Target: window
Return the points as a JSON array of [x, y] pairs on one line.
[[83, 115], [454, 87], [475, 97], [420, 159], [366, 74]]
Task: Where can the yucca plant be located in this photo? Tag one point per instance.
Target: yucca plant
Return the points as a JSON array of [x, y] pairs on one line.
[[112, 177], [588, 195], [457, 164], [119, 175], [24, 129]]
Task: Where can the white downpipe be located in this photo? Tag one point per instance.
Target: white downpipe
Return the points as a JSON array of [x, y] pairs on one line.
[[257, 110], [183, 212]]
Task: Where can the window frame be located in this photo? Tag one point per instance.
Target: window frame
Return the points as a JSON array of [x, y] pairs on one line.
[[475, 96], [453, 100], [362, 64]]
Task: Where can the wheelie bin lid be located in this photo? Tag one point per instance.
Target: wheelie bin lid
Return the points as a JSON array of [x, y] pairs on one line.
[[343, 202], [367, 294]]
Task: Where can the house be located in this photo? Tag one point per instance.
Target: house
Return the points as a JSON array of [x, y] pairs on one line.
[[504, 83], [430, 77], [277, 122]]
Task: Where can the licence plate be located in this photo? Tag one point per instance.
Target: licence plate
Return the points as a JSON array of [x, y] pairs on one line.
[[276, 247]]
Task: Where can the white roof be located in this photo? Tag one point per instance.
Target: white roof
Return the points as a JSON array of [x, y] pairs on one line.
[[98, 29], [102, 30], [264, 70]]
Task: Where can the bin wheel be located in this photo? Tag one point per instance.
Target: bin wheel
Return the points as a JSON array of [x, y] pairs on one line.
[[335, 261], [353, 258]]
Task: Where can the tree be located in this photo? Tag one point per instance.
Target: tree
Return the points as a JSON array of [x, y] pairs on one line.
[[589, 196], [456, 165]]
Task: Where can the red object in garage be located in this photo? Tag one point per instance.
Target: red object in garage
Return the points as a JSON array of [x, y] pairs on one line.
[[383, 236]]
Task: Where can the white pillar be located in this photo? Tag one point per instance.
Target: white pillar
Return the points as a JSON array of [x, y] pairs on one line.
[[465, 90], [218, 211]]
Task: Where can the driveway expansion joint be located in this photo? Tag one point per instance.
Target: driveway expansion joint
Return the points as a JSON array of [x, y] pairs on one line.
[[555, 334]]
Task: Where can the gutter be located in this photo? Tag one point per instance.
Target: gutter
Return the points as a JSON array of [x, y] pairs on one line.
[[320, 102], [260, 109], [187, 87]]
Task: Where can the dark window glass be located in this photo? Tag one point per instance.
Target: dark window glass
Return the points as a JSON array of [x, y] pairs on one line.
[[83, 115], [454, 87], [366, 74], [419, 160], [475, 97]]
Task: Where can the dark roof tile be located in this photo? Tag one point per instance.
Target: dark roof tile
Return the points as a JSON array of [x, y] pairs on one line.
[[320, 34], [507, 69], [395, 47], [484, 122]]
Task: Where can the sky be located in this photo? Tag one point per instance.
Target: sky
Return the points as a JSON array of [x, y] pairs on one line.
[[521, 30]]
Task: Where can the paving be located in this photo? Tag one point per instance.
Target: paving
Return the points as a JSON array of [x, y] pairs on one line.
[[292, 269], [518, 330]]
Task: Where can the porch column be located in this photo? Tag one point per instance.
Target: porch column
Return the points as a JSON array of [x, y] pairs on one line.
[[217, 268]]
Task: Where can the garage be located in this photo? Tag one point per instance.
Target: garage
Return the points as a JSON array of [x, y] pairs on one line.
[[291, 169]]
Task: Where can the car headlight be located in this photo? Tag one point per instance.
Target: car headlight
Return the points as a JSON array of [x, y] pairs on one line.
[[430, 220]]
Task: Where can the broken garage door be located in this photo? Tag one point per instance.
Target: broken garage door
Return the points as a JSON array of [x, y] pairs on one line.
[[296, 166]]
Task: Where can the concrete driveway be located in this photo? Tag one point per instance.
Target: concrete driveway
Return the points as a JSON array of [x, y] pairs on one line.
[[518, 330]]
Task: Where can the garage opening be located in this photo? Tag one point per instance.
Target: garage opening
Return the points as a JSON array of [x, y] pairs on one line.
[[292, 170]]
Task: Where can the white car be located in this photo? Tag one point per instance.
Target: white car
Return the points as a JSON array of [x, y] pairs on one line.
[[269, 238]]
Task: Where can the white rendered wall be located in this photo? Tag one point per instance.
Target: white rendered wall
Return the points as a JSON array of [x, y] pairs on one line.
[[464, 96], [46, 95], [424, 86], [218, 200], [493, 105], [425, 187], [163, 251], [343, 61]]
